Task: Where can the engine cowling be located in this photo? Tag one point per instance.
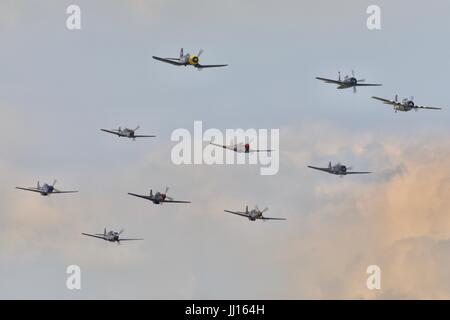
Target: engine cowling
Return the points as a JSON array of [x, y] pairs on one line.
[[193, 60]]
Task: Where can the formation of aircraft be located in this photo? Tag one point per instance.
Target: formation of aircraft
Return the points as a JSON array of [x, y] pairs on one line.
[[254, 214], [110, 236], [188, 60], [349, 82], [338, 169], [127, 133], [158, 197], [45, 189], [404, 105], [239, 147]]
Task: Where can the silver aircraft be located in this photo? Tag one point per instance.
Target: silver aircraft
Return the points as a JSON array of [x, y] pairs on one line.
[[45, 189], [404, 105], [110, 236], [349, 82], [239, 147], [254, 214], [339, 170], [189, 60], [127, 133], [158, 197]]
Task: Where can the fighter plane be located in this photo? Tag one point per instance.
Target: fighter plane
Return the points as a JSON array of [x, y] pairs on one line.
[[254, 214], [405, 105], [110, 236], [239, 147], [349, 82], [188, 60], [45, 189], [158, 197], [338, 169], [127, 133]]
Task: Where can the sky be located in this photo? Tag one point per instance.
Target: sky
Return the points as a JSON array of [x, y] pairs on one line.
[[59, 87]]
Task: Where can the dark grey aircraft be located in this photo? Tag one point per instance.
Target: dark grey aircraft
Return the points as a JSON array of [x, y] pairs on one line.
[[349, 82], [254, 214], [45, 189], [110, 236], [127, 133], [338, 169], [158, 197], [405, 105], [188, 60]]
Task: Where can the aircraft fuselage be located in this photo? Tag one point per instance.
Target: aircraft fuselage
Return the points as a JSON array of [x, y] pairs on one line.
[[126, 133], [45, 190], [406, 105], [158, 197], [339, 170], [348, 83], [253, 215]]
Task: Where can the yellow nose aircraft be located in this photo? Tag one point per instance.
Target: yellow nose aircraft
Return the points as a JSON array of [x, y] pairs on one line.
[[188, 60]]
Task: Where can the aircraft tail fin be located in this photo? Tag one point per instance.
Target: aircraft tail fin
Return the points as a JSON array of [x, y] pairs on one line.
[[246, 209], [151, 193], [396, 98], [339, 76], [104, 231], [38, 185], [329, 165], [181, 53]]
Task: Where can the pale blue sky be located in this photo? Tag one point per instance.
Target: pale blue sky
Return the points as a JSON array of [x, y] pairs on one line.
[[59, 87]]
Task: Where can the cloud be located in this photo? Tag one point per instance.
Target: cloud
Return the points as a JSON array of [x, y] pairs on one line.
[[63, 86], [400, 223], [336, 227]]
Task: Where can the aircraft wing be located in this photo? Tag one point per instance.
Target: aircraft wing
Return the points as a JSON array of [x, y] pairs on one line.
[[168, 60], [321, 169], [57, 191], [94, 236], [142, 136], [386, 101], [139, 196], [174, 201], [264, 218], [329, 80], [110, 131], [358, 172], [120, 239], [260, 150], [29, 189], [202, 66], [431, 108], [368, 85], [222, 146], [239, 213]]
